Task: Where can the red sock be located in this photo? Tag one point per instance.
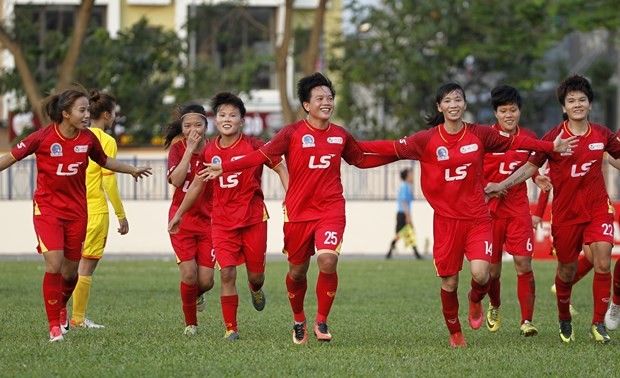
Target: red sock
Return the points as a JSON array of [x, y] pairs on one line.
[[526, 291], [583, 268], [563, 291], [494, 292], [616, 286], [478, 291], [189, 293], [296, 294], [600, 293], [67, 290], [450, 308], [52, 297], [229, 311], [326, 286]]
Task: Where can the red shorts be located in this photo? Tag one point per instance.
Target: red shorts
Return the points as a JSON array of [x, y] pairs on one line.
[[514, 235], [568, 239], [245, 244], [455, 239], [301, 238], [194, 246], [56, 234]]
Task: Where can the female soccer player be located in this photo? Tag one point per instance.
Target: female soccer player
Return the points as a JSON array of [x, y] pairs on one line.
[[582, 213], [239, 219], [192, 243], [62, 150], [510, 214], [99, 183], [314, 207], [452, 159]]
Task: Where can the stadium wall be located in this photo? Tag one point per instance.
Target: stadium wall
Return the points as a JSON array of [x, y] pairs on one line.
[[370, 228]]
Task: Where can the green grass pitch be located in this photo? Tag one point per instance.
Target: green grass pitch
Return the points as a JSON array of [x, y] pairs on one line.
[[386, 321]]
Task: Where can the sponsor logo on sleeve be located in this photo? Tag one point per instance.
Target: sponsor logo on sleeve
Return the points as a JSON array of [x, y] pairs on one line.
[[80, 149], [335, 140], [442, 153], [56, 150], [469, 148], [596, 146], [307, 141]]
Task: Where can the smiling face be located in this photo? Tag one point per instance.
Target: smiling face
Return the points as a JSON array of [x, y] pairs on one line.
[[228, 120], [452, 106], [321, 105], [577, 106], [508, 117], [79, 117]]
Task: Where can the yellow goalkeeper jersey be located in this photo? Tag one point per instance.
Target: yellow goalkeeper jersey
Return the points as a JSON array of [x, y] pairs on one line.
[[101, 181]]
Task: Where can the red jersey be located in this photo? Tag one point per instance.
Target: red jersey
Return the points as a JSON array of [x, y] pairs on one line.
[[200, 213], [313, 158], [579, 191], [500, 165], [61, 170], [238, 199], [453, 165]]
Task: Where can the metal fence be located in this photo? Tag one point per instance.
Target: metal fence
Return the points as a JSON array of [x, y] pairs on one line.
[[382, 183]]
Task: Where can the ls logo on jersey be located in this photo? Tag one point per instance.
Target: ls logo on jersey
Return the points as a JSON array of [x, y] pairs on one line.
[[229, 181], [469, 148], [442, 153], [582, 170], [307, 141], [323, 163], [56, 150], [72, 169], [459, 173], [511, 167], [80, 149], [335, 140]]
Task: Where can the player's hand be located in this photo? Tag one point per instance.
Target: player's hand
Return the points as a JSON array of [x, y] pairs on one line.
[[563, 145], [140, 172], [544, 183], [211, 171], [494, 189], [536, 220], [173, 225], [123, 226], [193, 139]]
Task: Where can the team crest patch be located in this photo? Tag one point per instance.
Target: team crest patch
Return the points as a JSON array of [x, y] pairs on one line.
[[442, 153], [335, 140], [307, 141], [56, 149], [216, 160], [80, 149]]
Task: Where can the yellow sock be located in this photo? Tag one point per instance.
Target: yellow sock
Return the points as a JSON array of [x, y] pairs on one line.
[[81, 294]]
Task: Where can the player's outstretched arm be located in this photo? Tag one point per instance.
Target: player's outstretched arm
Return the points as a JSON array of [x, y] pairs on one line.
[[6, 161], [523, 173], [193, 192], [137, 172]]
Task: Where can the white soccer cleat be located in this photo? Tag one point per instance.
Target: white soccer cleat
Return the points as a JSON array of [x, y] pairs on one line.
[[56, 335], [64, 321], [191, 330], [201, 303], [612, 316], [87, 323]]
